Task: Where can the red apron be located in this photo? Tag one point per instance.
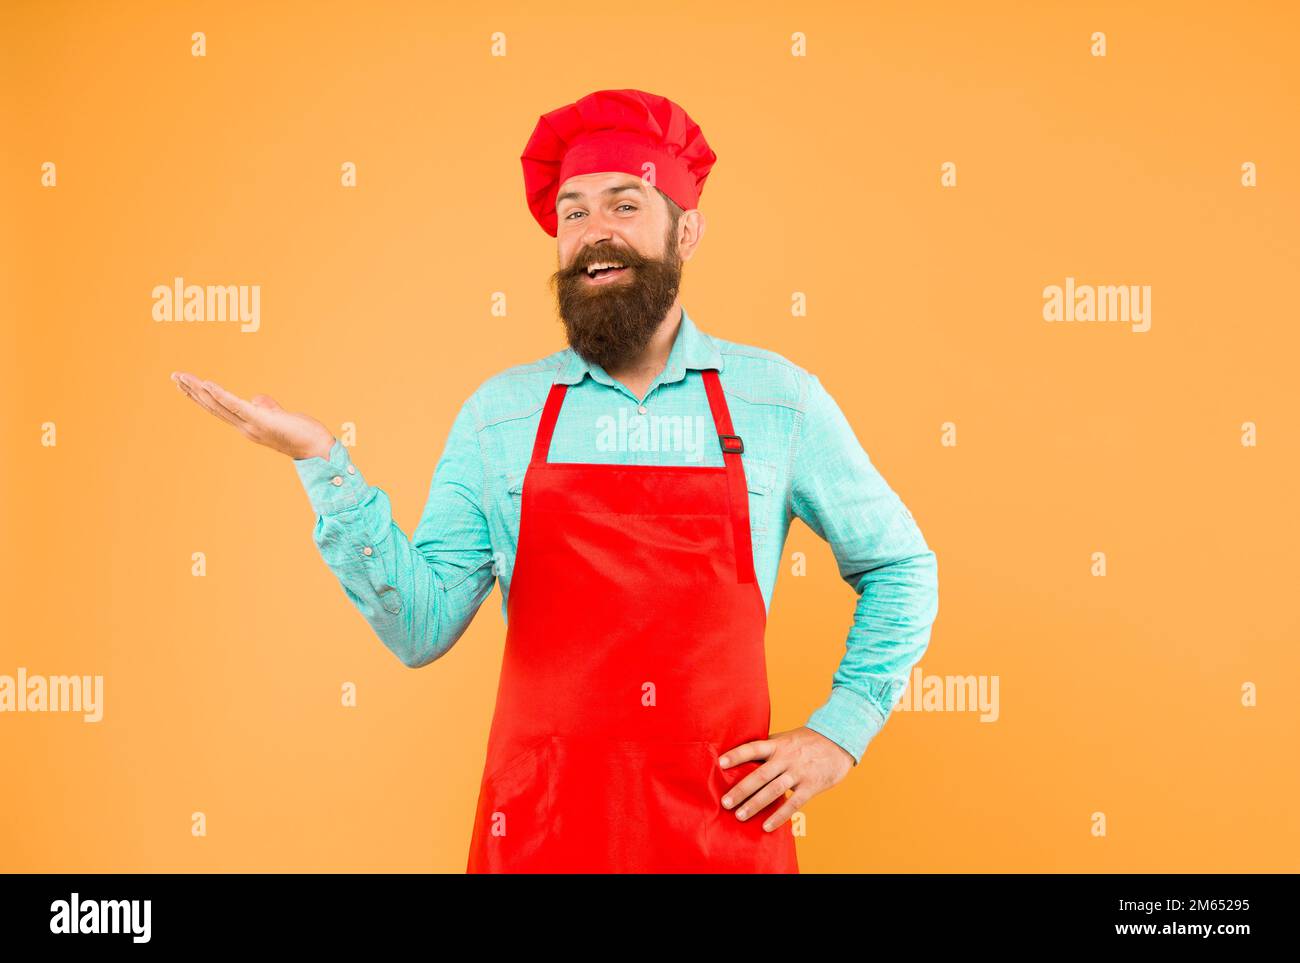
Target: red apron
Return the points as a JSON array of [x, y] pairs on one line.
[[634, 657]]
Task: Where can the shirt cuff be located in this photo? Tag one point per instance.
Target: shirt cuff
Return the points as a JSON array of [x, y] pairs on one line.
[[848, 720], [333, 483]]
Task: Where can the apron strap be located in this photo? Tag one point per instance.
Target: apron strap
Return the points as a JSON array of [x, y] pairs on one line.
[[732, 446], [551, 411]]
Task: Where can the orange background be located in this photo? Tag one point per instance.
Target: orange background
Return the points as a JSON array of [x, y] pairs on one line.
[[1118, 694]]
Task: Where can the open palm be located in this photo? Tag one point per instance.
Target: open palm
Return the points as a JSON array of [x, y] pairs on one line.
[[261, 419]]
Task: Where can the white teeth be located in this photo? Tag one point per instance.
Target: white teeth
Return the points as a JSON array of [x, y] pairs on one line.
[[592, 268]]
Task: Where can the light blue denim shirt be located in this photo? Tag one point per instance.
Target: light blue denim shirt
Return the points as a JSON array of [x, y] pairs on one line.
[[801, 459]]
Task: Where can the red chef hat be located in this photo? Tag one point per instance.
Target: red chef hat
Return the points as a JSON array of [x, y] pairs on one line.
[[615, 130]]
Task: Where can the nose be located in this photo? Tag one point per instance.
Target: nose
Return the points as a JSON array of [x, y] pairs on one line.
[[596, 227]]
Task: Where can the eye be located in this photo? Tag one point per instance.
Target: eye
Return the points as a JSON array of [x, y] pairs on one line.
[[569, 216]]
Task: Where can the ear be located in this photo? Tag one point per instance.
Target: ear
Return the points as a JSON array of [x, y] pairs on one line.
[[690, 231]]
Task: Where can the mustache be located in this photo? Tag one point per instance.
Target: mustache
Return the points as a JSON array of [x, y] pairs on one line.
[[588, 256]]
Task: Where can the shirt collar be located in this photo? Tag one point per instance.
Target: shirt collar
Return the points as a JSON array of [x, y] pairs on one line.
[[692, 348]]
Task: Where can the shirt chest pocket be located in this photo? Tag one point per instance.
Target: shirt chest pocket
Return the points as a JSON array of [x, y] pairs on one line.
[[513, 502], [760, 479]]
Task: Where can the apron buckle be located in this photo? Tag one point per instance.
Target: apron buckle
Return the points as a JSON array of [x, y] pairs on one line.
[[738, 448]]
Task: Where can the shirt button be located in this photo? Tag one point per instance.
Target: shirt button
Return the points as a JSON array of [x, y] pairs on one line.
[[352, 469], [640, 410], [367, 551], [336, 480]]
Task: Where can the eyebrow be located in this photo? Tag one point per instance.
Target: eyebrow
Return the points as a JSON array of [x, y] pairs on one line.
[[609, 191]]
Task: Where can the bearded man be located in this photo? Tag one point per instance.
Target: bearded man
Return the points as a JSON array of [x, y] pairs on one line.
[[631, 725]]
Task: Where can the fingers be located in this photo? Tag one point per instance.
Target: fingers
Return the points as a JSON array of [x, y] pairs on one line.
[[234, 404], [761, 786], [752, 783], [771, 788], [758, 749], [193, 388], [787, 809]]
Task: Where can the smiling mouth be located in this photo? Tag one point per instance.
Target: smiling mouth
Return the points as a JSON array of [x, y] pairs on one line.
[[603, 276], [600, 270]]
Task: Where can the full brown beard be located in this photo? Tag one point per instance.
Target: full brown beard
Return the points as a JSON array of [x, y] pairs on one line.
[[610, 324]]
